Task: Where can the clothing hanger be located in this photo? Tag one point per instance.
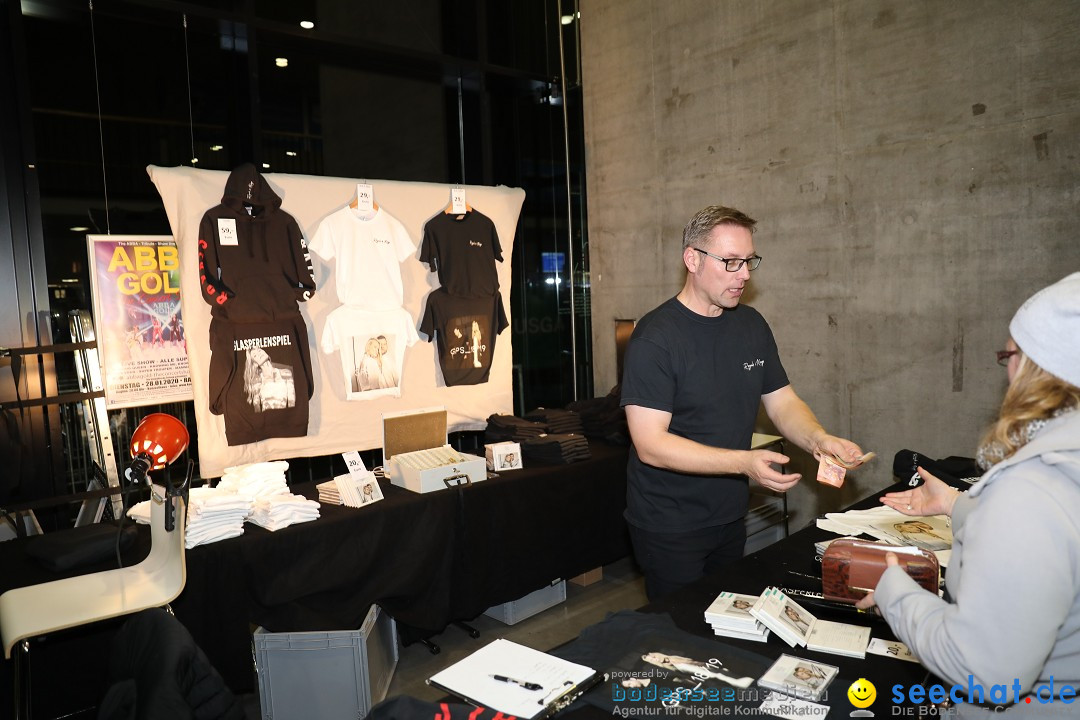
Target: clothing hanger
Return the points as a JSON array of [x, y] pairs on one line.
[[450, 208], [355, 202]]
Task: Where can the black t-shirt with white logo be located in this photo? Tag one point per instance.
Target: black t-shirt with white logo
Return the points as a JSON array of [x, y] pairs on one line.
[[710, 374], [463, 250]]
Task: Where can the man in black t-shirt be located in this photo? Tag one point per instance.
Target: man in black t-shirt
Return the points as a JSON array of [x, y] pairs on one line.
[[696, 369]]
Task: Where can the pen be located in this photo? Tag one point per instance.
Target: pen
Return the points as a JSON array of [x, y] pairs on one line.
[[522, 683]]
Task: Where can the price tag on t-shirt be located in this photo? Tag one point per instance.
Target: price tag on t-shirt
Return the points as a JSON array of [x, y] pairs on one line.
[[365, 197], [354, 463], [226, 228], [457, 201]]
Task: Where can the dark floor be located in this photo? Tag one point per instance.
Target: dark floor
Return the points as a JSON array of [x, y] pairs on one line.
[[622, 587]]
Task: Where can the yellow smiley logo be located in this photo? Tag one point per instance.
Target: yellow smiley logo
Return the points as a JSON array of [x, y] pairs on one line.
[[862, 693]]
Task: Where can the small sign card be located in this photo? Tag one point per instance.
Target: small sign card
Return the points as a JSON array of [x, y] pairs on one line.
[[457, 201], [365, 197]]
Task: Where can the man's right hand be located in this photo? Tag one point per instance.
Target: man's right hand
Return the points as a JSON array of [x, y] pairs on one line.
[[761, 468]]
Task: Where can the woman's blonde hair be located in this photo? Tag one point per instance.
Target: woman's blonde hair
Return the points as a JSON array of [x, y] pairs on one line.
[[1033, 394]]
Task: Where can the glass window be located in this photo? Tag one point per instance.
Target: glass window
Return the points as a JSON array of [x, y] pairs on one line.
[[369, 91]]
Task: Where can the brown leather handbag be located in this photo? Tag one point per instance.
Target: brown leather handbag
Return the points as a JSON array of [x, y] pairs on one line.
[[851, 568]]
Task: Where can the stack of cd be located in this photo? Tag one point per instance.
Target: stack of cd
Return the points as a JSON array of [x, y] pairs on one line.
[[329, 493], [729, 615]]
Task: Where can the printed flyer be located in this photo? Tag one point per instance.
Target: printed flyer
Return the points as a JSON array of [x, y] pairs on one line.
[[135, 282]]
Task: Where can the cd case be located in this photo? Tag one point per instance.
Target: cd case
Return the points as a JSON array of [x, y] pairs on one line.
[[802, 678]]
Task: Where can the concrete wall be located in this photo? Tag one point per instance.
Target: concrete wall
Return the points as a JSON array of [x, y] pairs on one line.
[[913, 167]]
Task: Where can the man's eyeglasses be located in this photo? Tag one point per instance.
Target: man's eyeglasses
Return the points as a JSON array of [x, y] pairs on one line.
[[1004, 355], [734, 264]]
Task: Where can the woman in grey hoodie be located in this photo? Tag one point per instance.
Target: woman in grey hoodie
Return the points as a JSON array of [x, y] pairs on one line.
[[1011, 622]]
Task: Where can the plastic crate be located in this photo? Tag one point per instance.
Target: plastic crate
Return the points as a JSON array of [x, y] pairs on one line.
[[535, 602], [333, 675]]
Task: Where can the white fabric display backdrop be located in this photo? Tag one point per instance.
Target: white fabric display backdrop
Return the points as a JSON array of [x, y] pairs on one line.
[[336, 425]]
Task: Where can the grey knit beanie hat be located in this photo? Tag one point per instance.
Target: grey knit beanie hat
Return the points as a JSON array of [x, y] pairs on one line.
[[1047, 328]]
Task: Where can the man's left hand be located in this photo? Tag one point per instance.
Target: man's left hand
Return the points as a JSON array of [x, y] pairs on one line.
[[844, 449]]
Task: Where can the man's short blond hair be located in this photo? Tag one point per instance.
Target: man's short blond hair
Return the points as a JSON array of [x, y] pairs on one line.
[[697, 230]]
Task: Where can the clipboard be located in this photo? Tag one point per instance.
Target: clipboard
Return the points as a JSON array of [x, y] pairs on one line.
[[571, 695], [516, 680]]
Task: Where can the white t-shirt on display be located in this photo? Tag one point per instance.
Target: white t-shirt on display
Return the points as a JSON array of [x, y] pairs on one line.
[[372, 348], [368, 250]]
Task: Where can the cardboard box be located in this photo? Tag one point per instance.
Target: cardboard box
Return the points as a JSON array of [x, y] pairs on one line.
[[589, 577], [314, 675], [503, 456], [417, 457], [535, 602]]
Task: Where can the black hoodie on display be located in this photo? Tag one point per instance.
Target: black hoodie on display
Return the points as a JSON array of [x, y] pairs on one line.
[[254, 263], [260, 378], [254, 267]]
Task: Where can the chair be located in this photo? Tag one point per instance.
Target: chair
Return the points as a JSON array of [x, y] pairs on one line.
[[38, 610]]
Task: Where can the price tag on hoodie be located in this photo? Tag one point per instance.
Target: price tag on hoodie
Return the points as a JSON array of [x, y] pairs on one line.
[[226, 230]]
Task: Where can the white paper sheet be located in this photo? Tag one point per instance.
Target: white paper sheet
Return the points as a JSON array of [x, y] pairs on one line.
[[474, 678]]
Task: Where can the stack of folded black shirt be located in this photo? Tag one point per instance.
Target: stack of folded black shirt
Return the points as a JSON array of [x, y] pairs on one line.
[[603, 418], [509, 427], [555, 449], [556, 420]]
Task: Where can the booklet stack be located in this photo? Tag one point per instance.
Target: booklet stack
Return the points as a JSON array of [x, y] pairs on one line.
[[797, 626], [729, 615], [329, 493], [822, 545], [799, 677], [353, 489]]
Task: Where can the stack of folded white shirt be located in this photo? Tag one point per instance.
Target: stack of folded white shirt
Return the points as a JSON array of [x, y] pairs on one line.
[[274, 506], [274, 512], [212, 515], [256, 479], [257, 492]]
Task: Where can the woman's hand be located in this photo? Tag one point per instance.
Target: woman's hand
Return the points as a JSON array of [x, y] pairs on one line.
[[933, 497], [868, 601]]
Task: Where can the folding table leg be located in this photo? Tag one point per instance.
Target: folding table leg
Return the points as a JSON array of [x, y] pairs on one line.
[[20, 662]]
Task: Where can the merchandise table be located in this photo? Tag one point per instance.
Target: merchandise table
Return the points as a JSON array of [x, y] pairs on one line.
[[790, 563], [428, 559]]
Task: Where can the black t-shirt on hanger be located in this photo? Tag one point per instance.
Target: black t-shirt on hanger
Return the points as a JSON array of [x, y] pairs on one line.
[[463, 250], [465, 329]]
